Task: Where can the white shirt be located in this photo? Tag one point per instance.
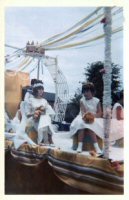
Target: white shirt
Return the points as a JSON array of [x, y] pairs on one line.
[[91, 104], [114, 113]]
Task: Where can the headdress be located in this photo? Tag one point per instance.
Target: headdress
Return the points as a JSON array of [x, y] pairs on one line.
[[37, 85]]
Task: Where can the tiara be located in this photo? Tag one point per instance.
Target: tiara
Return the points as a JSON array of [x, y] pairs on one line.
[[37, 85]]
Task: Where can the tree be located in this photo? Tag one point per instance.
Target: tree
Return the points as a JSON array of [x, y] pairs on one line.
[[76, 99], [73, 107], [93, 74]]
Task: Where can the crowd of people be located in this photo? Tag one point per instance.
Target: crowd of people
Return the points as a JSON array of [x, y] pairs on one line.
[[34, 117]]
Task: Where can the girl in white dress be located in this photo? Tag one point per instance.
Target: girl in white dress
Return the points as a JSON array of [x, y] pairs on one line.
[[117, 125], [88, 103], [29, 92], [117, 111], [38, 113]]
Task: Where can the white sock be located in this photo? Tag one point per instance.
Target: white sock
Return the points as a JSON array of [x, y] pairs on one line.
[[79, 149], [96, 146]]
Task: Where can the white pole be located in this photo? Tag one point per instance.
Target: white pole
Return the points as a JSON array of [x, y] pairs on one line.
[[56, 91], [107, 80], [56, 79], [38, 70]]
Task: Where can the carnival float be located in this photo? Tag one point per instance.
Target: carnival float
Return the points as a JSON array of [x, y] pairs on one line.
[[58, 169]]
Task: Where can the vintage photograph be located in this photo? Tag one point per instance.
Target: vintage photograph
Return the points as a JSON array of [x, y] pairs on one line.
[[64, 100]]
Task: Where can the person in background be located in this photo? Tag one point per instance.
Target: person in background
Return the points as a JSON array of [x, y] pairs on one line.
[[8, 124], [117, 111], [30, 90], [88, 105], [117, 122]]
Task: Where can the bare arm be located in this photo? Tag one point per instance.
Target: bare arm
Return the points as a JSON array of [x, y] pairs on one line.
[[82, 108], [99, 111], [119, 113]]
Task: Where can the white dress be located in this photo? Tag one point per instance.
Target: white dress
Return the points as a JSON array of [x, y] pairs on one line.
[[28, 95], [20, 125], [19, 135], [117, 126], [116, 129], [78, 123], [114, 113], [44, 122]]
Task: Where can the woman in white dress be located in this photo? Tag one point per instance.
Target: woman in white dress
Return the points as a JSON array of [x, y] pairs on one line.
[[88, 103], [117, 111], [117, 126], [39, 114], [29, 92]]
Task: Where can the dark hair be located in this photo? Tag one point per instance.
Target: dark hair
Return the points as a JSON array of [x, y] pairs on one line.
[[118, 96], [88, 86], [121, 94], [33, 81], [35, 89]]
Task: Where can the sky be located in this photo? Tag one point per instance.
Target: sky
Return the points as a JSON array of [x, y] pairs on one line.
[[40, 23]]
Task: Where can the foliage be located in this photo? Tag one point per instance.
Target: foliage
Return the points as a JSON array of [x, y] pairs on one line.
[[77, 96], [93, 74], [73, 107]]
